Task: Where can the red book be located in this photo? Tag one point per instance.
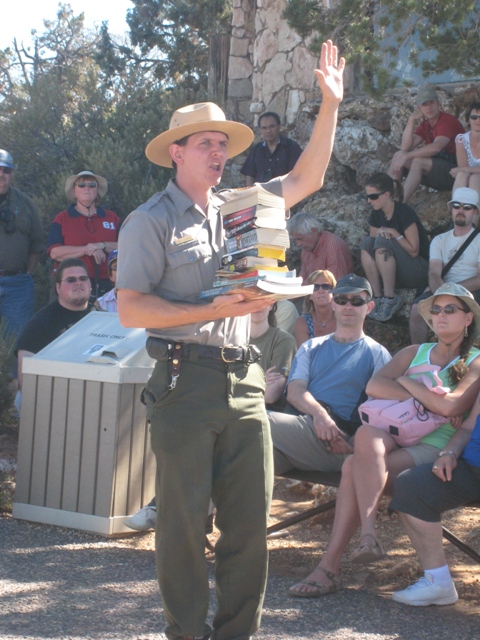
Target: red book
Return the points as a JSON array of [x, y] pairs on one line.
[[239, 216]]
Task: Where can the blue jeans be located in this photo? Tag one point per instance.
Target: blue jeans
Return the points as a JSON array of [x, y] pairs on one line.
[[16, 301]]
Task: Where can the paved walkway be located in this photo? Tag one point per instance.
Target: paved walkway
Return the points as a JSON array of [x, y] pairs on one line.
[[62, 584]]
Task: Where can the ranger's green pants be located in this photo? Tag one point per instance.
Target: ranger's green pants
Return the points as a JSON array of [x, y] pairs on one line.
[[211, 437]]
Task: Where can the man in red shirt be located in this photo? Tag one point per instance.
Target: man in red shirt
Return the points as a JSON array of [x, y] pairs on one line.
[[427, 151], [320, 249]]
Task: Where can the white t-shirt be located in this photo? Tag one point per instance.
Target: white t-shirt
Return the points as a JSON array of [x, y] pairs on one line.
[[445, 245]]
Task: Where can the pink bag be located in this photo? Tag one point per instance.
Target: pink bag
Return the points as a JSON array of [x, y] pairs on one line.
[[406, 421]]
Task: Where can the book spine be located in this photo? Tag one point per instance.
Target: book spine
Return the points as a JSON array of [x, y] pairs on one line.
[[219, 291], [227, 259], [243, 241], [239, 216], [247, 225], [240, 280]]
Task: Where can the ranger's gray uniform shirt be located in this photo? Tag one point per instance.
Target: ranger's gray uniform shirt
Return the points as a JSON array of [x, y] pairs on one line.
[[169, 248]]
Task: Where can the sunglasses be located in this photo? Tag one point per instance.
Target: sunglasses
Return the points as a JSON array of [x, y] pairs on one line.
[[474, 117], [6, 170], [355, 301], [90, 185], [325, 286], [448, 309], [465, 207], [73, 279], [374, 196]]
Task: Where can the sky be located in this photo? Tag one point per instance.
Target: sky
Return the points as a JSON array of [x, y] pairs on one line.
[[19, 18]]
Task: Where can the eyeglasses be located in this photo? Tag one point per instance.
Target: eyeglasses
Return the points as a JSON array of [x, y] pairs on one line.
[[72, 279], [374, 196], [473, 117], [448, 309], [460, 205], [6, 170], [355, 301], [90, 185], [325, 286]]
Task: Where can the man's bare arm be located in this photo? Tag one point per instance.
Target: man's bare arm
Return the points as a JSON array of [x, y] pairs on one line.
[[308, 174], [299, 396], [137, 309], [435, 279]]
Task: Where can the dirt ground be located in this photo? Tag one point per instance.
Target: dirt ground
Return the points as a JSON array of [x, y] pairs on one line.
[[297, 553]]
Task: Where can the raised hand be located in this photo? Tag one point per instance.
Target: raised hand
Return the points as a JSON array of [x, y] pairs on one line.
[[330, 74]]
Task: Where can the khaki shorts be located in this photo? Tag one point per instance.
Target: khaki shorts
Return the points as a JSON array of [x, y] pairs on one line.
[[422, 453]]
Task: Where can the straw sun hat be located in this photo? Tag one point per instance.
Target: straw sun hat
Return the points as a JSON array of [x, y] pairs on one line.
[[456, 290], [70, 183], [195, 118]]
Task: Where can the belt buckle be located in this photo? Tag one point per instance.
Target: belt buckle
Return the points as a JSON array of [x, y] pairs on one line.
[[222, 353]]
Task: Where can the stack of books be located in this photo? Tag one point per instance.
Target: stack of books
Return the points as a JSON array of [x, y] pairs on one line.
[[256, 241]]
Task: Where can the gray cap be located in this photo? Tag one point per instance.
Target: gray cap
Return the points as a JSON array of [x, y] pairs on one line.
[[426, 93], [353, 284], [6, 159]]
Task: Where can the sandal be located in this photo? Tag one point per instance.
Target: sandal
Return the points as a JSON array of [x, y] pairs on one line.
[[320, 589], [368, 551]]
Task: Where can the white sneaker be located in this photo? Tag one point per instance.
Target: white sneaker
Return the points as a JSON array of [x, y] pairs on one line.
[[143, 519], [425, 592]]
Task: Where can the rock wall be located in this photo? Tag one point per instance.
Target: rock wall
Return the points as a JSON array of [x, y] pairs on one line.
[[272, 69]]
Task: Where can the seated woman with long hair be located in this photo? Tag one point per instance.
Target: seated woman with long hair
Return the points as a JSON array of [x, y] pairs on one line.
[[377, 460], [317, 318], [395, 254]]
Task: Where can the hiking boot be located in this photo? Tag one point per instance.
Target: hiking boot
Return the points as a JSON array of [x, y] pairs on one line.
[[388, 308], [376, 309]]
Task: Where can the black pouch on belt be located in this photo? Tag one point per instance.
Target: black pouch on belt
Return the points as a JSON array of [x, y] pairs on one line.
[[159, 349]]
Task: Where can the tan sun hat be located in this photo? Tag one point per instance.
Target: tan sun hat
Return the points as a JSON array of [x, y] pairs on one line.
[[204, 116], [70, 183], [456, 290]]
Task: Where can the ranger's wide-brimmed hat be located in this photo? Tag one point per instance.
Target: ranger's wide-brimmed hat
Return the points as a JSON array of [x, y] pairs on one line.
[[70, 183], [194, 118], [456, 290]]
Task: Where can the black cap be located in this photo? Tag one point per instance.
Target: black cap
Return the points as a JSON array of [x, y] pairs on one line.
[[353, 284]]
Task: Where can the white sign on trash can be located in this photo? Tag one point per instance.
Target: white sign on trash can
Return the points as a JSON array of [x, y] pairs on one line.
[[84, 458]]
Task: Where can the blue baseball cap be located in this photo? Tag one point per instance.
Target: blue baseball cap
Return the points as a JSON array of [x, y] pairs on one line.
[[6, 159]]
